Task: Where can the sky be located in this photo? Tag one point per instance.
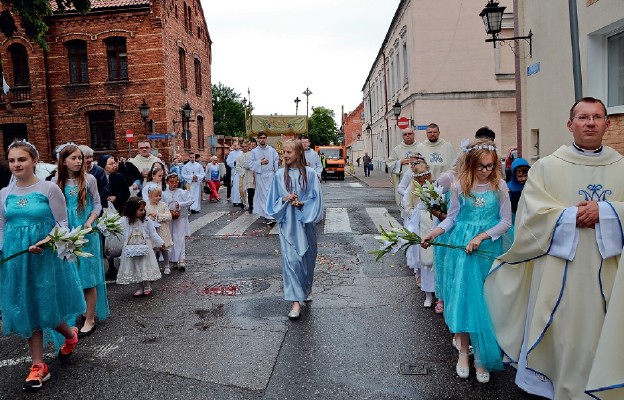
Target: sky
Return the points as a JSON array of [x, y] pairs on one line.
[[278, 48]]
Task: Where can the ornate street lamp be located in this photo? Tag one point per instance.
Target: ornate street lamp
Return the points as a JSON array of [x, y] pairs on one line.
[[144, 110], [396, 109], [492, 16], [307, 94]]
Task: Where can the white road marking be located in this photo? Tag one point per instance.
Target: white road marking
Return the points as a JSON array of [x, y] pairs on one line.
[[337, 221], [355, 184], [381, 217], [238, 226], [200, 222]]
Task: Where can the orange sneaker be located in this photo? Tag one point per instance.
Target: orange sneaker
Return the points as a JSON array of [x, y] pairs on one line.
[[69, 346], [36, 377]]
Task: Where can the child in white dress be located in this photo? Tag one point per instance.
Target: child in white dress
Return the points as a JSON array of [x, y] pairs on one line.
[[158, 211], [138, 263], [177, 200], [419, 221]]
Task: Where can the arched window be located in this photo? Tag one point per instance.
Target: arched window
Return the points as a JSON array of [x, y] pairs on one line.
[[19, 58], [198, 77], [77, 59], [182, 59], [117, 58], [201, 142]]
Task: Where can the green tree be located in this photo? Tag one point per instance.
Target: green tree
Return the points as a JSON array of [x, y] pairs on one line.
[[322, 127], [32, 14], [228, 111]]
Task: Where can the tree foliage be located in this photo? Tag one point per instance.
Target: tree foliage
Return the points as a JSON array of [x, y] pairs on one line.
[[228, 111], [322, 127], [32, 14]]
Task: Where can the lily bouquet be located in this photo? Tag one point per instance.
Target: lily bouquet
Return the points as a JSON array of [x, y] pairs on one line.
[[431, 196], [109, 224], [395, 239], [67, 244]]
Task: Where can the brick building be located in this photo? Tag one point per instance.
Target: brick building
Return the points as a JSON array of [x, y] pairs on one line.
[[87, 88]]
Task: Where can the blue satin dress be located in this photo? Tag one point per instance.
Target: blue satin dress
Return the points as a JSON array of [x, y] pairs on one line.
[[37, 291], [91, 269], [297, 230]]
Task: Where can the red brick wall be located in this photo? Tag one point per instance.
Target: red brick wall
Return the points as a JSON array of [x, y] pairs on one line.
[[153, 36], [615, 135], [353, 124]]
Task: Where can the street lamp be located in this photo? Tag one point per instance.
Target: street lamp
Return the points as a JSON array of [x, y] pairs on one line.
[[492, 16], [307, 94], [396, 110], [245, 108], [185, 113], [144, 110], [369, 129], [297, 101]]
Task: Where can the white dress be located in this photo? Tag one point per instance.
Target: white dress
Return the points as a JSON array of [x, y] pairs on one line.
[[264, 176], [179, 227], [190, 170], [143, 268]]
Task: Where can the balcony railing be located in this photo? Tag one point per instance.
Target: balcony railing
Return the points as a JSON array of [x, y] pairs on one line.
[[16, 94]]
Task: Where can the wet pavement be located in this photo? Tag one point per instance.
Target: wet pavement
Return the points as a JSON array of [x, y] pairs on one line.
[[220, 330]]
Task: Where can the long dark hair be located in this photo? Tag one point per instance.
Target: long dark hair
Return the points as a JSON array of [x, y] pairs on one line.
[[299, 163], [132, 206], [63, 174]]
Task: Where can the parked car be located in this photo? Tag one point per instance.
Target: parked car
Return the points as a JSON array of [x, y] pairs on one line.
[[512, 154]]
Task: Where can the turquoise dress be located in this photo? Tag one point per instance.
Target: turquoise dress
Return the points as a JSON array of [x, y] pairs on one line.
[[465, 310], [91, 269], [439, 253], [37, 291], [297, 230]]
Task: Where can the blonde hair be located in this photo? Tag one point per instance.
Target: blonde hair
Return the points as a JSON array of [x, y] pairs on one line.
[[470, 161]]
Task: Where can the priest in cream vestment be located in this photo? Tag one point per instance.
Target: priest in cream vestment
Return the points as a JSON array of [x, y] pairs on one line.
[[399, 159], [556, 298]]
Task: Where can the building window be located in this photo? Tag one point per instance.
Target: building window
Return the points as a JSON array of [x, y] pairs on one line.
[[398, 72], [198, 80], [615, 70], [182, 59], [391, 78], [19, 57], [117, 58], [405, 65], [201, 143], [102, 129], [77, 57]]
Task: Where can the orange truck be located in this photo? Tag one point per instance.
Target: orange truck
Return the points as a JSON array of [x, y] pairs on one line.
[[335, 160]]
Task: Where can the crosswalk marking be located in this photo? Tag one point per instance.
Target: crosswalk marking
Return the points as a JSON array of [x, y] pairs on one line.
[[381, 217], [202, 221], [337, 220], [239, 225], [355, 184]]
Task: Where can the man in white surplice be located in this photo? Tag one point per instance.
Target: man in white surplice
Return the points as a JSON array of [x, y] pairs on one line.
[[312, 158], [235, 152], [263, 160], [193, 172]]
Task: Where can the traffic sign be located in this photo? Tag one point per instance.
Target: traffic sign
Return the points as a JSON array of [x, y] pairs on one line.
[[403, 123], [129, 135]]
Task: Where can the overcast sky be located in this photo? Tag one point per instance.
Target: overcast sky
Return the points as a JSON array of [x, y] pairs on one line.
[[278, 48]]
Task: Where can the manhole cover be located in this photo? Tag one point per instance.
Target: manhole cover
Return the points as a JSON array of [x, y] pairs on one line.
[[237, 287]]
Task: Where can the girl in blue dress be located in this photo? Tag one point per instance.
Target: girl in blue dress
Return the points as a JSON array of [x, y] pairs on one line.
[[84, 207], [479, 215], [38, 290], [296, 202]]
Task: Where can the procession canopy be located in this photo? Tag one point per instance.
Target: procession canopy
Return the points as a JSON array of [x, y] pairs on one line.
[[277, 125]]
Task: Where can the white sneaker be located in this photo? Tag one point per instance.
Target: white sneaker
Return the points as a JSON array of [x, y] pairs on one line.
[[167, 271]]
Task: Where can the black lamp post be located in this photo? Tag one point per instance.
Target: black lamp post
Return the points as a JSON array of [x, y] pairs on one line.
[[186, 119], [396, 109], [307, 94], [492, 16], [144, 109], [369, 129], [245, 111]]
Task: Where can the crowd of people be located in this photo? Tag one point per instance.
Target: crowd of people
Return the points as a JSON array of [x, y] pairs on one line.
[[525, 272]]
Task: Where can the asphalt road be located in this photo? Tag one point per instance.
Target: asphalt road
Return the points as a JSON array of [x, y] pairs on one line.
[[220, 330]]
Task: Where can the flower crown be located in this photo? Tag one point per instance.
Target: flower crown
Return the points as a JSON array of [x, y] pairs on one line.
[[24, 142], [420, 174], [466, 149], [61, 147]]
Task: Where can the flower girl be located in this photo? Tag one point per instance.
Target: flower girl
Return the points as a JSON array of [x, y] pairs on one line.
[[178, 200], [418, 221], [160, 215], [138, 263]]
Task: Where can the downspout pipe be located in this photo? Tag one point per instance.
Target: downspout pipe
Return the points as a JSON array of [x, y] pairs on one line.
[[576, 53], [383, 54]]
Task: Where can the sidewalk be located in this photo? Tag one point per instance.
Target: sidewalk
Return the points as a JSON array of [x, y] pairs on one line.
[[377, 179]]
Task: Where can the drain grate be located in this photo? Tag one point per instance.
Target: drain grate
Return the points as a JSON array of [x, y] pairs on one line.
[[237, 287], [413, 369]]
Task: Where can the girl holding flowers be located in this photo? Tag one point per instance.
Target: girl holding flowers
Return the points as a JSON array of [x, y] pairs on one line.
[[418, 221], [37, 290], [83, 205], [480, 214]]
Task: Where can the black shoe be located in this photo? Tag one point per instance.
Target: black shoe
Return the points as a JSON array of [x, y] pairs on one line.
[[111, 274], [82, 334], [271, 223], [194, 212], [242, 206]]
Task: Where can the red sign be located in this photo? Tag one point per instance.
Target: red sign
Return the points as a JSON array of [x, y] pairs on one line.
[[129, 135], [403, 123]]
